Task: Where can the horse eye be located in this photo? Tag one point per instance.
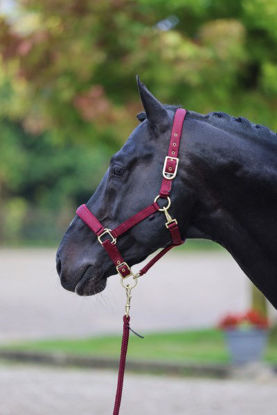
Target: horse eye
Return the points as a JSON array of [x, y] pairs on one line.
[[118, 171]]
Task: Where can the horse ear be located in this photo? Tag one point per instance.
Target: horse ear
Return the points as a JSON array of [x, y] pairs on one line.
[[155, 111]]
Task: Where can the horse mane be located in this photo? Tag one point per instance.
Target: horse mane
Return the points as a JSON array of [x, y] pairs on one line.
[[245, 122], [223, 120], [238, 125]]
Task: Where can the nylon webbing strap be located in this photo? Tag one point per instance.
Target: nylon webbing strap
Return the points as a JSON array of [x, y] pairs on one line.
[[87, 216], [171, 161], [134, 220]]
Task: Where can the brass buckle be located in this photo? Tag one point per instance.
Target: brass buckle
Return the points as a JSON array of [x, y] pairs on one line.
[[125, 265], [131, 274], [170, 175], [108, 232]]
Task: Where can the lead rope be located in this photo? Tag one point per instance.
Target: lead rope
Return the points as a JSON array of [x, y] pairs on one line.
[[124, 345], [122, 362]]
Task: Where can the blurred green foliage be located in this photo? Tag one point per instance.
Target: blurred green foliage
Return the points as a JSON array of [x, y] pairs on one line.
[[68, 96], [205, 346]]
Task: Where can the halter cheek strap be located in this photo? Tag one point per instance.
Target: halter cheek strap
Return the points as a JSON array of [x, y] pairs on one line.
[[108, 238]]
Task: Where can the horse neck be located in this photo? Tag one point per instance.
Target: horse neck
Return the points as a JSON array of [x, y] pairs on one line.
[[235, 183]]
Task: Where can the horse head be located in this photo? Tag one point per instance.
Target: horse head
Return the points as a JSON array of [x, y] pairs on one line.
[[131, 183], [225, 190]]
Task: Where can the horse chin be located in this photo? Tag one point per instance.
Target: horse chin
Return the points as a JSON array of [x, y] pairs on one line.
[[90, 284]]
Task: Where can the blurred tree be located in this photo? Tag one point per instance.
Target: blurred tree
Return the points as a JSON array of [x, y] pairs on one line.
[[67, 89]]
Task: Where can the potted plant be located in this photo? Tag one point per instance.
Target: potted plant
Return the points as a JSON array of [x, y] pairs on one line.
[[246, 336]]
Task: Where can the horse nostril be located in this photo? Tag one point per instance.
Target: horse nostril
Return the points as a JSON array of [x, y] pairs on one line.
[[58, 265]]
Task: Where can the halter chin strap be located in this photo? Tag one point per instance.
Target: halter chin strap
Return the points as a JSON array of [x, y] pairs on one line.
[[108, 238]]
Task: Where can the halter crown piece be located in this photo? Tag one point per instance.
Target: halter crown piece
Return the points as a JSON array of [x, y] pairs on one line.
[[108, 238]]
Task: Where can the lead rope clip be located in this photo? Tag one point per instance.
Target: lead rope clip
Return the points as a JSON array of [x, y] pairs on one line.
[[128, 290]]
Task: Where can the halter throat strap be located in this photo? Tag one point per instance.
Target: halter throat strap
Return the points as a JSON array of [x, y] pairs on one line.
[[108, 238]]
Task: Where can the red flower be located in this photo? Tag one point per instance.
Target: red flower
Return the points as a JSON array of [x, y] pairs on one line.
[[251, 318], [256, 319]]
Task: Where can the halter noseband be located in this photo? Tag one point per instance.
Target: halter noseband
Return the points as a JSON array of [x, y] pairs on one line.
[[108, 238]]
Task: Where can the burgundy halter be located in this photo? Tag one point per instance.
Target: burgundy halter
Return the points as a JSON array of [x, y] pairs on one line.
[[107, 237]]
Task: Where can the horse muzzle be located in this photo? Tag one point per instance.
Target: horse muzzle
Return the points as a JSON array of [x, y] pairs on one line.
[[82, 279], [90, 283]]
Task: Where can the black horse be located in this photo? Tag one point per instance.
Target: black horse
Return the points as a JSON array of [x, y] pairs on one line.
[[225, 191]]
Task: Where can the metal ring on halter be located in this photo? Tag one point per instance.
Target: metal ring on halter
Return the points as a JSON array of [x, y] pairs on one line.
[[128, 286], [136, 276], [162, 209]]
